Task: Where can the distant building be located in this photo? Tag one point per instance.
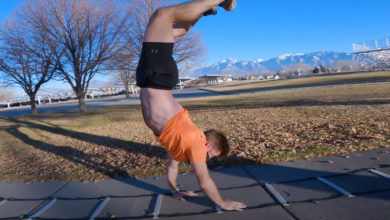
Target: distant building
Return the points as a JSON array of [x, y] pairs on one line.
[[183, 82], [216, 79]]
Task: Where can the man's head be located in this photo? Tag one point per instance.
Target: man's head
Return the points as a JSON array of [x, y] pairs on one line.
[[217, 144]]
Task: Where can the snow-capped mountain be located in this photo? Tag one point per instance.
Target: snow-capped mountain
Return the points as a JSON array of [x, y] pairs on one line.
[[235, 67]]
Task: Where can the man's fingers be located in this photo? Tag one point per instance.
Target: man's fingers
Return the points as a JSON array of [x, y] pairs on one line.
[[190, 194], [181, 198], [239, 206]]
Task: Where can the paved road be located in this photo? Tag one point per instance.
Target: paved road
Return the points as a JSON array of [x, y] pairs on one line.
[[354, 186], [99, 103], [69, 106]]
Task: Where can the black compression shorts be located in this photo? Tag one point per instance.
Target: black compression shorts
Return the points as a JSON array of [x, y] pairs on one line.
[[156, 67]]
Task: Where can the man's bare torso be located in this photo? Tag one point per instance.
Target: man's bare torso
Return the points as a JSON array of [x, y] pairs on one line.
[[159, 106]]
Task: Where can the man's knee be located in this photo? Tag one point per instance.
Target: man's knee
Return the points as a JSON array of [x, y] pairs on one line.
[[164, 13]]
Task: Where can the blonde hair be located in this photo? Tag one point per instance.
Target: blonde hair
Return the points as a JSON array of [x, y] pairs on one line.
[[219, 140]]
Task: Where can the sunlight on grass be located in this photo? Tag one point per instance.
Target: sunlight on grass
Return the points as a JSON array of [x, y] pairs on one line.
[[316, 80]]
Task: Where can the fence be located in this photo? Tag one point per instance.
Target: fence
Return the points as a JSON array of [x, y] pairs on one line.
[[373, 54], [371, 46], [64, 97]]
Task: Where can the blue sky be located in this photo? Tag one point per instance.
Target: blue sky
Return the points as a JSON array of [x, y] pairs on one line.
[[6, 7], [269, 28]]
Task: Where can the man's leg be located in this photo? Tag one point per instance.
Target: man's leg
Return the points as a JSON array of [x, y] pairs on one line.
[[160, 27]]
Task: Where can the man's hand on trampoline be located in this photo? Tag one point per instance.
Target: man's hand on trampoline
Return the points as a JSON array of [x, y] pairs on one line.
[[231, 205], [182, 195]]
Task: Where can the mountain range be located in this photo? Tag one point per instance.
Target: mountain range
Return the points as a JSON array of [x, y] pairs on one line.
[[235, 67]]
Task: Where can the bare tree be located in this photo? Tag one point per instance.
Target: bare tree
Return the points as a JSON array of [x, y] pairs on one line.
[[345, 65], [123, 65], [25, 57], [88, 32], [187, 49], [299, 68]]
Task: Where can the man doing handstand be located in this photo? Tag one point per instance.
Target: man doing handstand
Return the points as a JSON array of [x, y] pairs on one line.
[[157, 75]]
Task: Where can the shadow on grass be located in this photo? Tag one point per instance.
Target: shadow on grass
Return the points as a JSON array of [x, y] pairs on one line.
[[68, 153], [129, 146], [91, 161]]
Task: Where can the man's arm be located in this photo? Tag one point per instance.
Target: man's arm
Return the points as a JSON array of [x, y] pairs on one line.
[[210, 189], [172, 171], [206, 183]]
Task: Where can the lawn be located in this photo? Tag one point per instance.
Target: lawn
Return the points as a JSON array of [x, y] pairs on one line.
[[310, 81], [262, 128]]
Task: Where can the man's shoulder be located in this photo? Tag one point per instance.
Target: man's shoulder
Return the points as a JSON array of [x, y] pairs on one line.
[[190, 131], [196, 136], [196, 149]]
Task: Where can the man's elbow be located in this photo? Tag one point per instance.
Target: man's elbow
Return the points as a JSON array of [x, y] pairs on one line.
[[204, 185]]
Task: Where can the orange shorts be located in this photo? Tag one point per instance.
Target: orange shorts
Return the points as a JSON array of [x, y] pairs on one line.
[[183, 140]]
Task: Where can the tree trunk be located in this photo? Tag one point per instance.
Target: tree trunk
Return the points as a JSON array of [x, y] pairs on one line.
[[33, 105], [82, 106], [127, 90]]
